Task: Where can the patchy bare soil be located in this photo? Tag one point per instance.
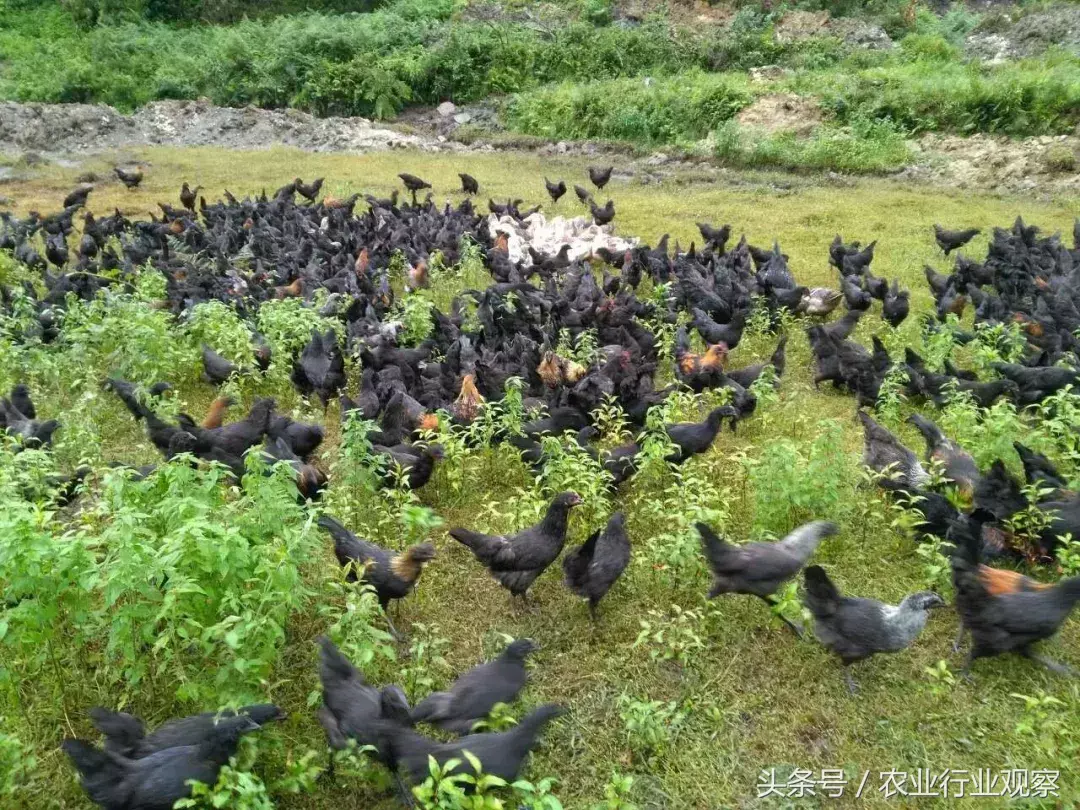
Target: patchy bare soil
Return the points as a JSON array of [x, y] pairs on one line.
[[796, 26], [782, 112], [1010, 35], [1044, 165], [89, 128], [68, 134]]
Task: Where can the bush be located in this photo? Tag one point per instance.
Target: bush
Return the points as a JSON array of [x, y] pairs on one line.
[[89, 13], [1060, 159], [868, 147], [370, 64], [648, 111], [1032, 97]]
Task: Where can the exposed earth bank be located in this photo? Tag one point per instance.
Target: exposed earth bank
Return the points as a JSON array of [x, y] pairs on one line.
[[29, 132]]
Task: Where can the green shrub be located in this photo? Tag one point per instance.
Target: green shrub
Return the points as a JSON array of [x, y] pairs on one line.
[[931, 47], [1060, 159], [870, 147], [1032, 97], [650, 111], [794, 483], [367, 64]]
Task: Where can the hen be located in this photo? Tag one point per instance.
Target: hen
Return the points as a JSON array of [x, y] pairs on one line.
[[602, 216], [949, 241], [126, 735], [157, 781], [599, 176], [320, 367], [692, 438], [352, 709], [516, 561], [593, 567], [500, 754], [393, 576], [855, 628], [473, 695], [129, 177], [469, 184], [959, 466], [555, 190], [759, 569], [216, 369], [1001, 616], [886, 455]]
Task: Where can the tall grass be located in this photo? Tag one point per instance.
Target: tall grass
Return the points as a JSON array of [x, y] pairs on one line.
[[866, 147], [346, 64], [933, 92], [682, 108]]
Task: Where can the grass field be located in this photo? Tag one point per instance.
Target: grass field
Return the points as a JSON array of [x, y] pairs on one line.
[[744, 693]]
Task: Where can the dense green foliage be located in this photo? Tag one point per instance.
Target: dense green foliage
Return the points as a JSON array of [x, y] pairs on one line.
[[870, 147], [409, 52], [932, 92], [682, 108], [577, 74]]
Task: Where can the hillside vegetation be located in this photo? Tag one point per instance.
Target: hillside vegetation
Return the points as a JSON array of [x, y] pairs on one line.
[[566, 70]]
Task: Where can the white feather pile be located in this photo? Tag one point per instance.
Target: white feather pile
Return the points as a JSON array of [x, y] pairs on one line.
[[547, 237]]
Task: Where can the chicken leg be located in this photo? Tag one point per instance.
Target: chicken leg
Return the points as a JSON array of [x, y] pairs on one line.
[[853, 687], [1053, 666], [959, 638], [772, 602]]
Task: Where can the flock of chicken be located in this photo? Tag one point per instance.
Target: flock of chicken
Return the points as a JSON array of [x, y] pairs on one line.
[[244, 252]]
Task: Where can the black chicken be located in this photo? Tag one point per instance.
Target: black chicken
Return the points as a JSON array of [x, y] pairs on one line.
[[949, 241], [516, 561], [129, 177], [692, 438], [716, 238], [856, 628], [352, 709], [760, 569], [473, 695], [413, 184], [555, 190], [500, 754], [78, 196], [126, 735], [157, 781], [1012, 621], [602, 216], [469, 184], [593, 567], [896, 305], [309, 191], [189, 195], [216, 369], [320, 368], [393, 576], [599, 176]]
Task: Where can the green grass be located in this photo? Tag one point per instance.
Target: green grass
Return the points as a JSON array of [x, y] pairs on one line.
[[747, 695], [938, 93], [867, 148], [676, 110]]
